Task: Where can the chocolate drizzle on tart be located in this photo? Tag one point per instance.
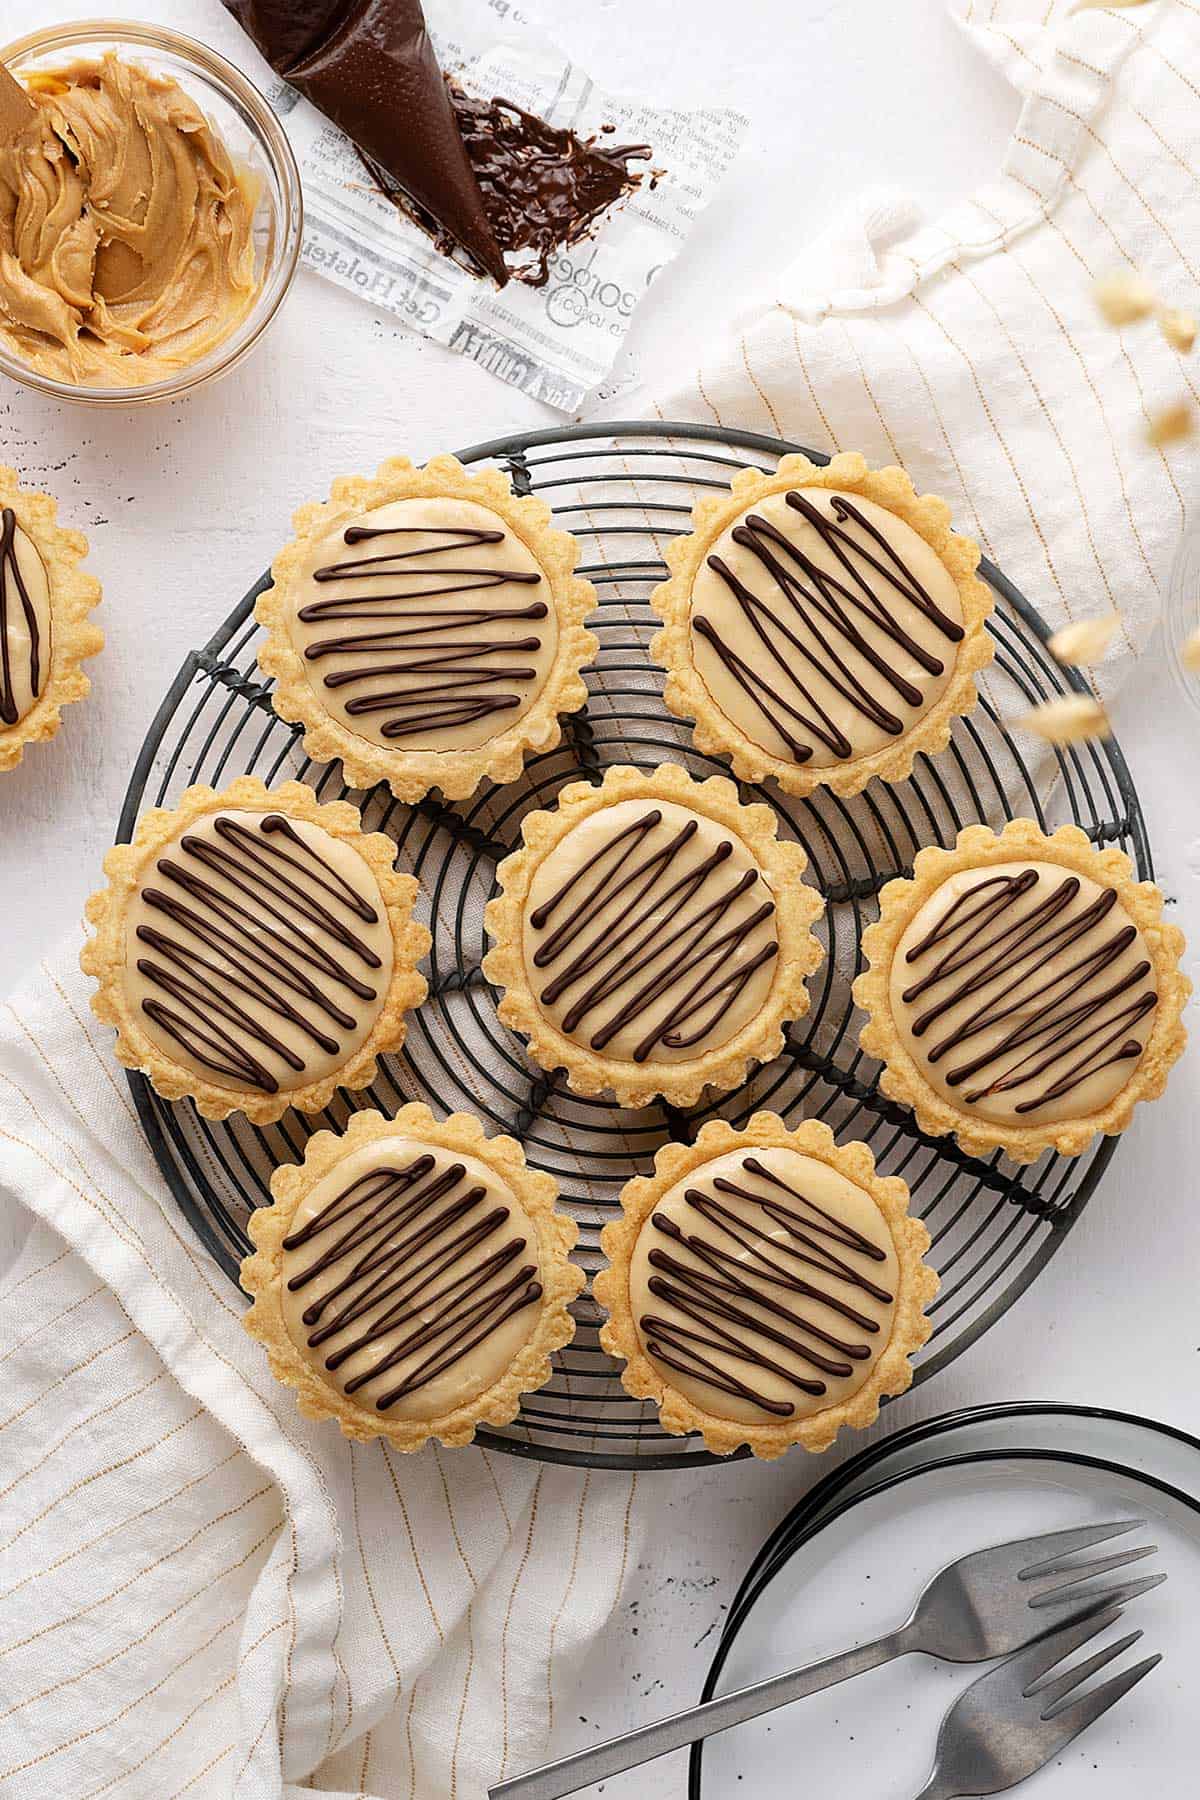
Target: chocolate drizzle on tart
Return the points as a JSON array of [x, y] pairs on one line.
[[1027, 992], [258, 951], [656, 930], [765, 1284], [823, 625], [442, 666], [406, 1273], [411, 1277], [22, 652], [436, 636], [652, 935]]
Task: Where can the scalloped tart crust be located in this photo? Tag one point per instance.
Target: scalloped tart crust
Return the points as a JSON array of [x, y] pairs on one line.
[[1022, 992], [424, 624], [764, 1286], [652, 935], [425, 627], [255, 949], [258, 950], [823, 635], [412, 1277], [821, 625], [409, 1278], [45, 629]]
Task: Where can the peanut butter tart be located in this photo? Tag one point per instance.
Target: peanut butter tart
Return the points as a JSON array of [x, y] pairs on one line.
[[1023, 991], [411, 1278], [822, 625], [652, 935], [765, 1286], [426, 627], [45, 629], [255, 950]]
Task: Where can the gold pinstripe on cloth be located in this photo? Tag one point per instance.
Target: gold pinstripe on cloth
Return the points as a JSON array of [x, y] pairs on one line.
[[196, 1587]]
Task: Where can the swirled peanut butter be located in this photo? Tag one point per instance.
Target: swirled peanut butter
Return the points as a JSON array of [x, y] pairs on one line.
[[126, 246]]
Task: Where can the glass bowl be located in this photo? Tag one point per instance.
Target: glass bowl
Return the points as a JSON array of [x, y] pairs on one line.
[[254, 138]]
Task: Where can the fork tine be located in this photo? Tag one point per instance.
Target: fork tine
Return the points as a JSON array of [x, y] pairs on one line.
[[1100, 1565], [1051, 1692], [1089, 1598], [1057, 1544], [1037, 1659], [1075, 1716]]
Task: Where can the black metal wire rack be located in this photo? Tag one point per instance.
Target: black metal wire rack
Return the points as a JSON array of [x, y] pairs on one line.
[[623, 489]]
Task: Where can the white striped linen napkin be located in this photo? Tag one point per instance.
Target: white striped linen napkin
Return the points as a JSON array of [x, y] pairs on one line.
[[202, 1594]]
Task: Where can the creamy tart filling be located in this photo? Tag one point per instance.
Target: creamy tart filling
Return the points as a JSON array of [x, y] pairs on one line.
[[823, 626], [1024, 993], [25, 631], [650, 933], [410, 1278], [258, 951], [424, 625], [764, 1285]]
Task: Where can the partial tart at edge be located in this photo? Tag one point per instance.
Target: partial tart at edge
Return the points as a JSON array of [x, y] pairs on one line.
[[652, 935], [398, 1345], [425, 627], [254, 949], [45, 629], [1022, 990], [766, 1287], [822, 625]]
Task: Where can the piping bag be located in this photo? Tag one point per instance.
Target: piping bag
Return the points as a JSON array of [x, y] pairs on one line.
[[370, 67]]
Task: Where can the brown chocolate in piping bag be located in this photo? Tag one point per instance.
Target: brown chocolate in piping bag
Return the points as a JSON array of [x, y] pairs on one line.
[[287, 30], [369, 66]]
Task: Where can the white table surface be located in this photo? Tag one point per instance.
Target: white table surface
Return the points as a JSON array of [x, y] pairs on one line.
[[184, 505]]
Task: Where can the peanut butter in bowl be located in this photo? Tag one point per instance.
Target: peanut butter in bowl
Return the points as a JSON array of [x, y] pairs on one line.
[[127, 249]]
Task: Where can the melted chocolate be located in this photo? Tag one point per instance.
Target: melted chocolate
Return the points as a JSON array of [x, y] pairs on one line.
[[403, 1234], [444, 677], [668, 939], [805, 605], [543, 187], [284, 939], [743, 1304], [14, 595], [1056, 1031]]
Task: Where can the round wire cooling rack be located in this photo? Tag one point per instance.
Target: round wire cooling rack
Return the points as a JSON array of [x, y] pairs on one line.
[[623, 489]]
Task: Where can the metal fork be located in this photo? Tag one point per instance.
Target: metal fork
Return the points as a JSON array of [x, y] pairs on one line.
[[1011, 1721], [985, 1605]]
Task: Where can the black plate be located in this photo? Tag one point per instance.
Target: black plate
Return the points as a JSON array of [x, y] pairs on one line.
[[942, 1444]]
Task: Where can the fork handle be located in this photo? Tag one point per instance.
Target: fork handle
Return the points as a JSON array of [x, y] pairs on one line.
[[600, 1761]]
